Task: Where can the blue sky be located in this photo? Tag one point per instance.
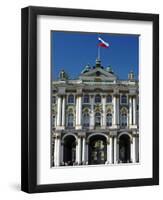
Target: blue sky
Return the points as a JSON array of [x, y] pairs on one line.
[[72, 51]]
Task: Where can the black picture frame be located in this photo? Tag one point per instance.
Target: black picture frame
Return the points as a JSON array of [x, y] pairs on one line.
[[29, 99]]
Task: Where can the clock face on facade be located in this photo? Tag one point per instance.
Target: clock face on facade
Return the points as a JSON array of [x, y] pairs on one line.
[[94, 109]]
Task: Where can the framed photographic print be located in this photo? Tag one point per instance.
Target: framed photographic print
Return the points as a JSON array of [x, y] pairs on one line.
[[90, 99]]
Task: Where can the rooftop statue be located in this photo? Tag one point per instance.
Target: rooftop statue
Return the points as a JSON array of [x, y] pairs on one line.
[[131, 76], [109, 69], [62, 75], [87, 68]]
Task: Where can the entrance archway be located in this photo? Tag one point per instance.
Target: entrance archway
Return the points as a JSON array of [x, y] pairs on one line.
[[124, 148], [69, 150], [97, 150]]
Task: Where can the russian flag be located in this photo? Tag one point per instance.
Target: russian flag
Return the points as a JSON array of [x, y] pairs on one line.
[[103, 43]]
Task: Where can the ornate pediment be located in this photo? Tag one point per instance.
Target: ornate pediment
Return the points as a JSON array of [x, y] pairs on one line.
[[98, 74]]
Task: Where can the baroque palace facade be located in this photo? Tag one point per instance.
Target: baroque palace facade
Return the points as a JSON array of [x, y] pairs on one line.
[[95, 118]]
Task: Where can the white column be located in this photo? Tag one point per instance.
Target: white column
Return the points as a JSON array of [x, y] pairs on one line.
[[86, 153], [77, 111], [137, 148], [133, 150], [108, 150], [92, 121], [130, 110], [59, 111], [117, 109], [114, 111], [76, 156], [115, 150], [104, 112], [63, 111], [55, 151], [134, 110], [61, 156], [83, 151], [79, 150], [111, 151], [58, 150]]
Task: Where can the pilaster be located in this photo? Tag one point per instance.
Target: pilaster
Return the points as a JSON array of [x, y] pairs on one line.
[[59, 106], [111, 150], [104, 111], [92, 120]]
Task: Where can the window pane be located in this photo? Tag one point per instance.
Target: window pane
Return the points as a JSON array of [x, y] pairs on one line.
[[70, 120], [97, 119], [109, 99], [86, 99], [124, 99], [70, 99], [123, 119], [97, 98], [86, 120], [109, 119]]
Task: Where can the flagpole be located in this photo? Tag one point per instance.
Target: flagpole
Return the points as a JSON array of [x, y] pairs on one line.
[[98, 53]]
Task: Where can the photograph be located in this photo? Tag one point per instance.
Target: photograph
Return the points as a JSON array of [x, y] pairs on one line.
[[90, 99], [94, 99]]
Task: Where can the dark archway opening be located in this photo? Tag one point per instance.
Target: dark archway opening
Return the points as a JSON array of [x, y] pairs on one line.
[[97, 150], [124, 149], [69, 151]]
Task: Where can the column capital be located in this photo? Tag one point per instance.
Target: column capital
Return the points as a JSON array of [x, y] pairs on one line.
[[108, 141], [113, 134], [63, 94], [78, 94], [83, 135], [115, 91], [135, 134], [116, 95], [79, 135], [57, 135], [132, 95], [59, 95], [79, 91]]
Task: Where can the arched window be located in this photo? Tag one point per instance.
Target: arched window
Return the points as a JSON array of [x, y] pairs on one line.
[[70, 120], [109, 99], [71, 98], [86, 98], [86, 120], [109, 119], [124, 149], [97, 119], [97, 98], [54, 99], [97, 149], [124, 99], [123, 119], [69, 150]]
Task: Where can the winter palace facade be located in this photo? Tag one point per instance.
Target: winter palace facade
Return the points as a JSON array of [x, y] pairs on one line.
[[94, 118]]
